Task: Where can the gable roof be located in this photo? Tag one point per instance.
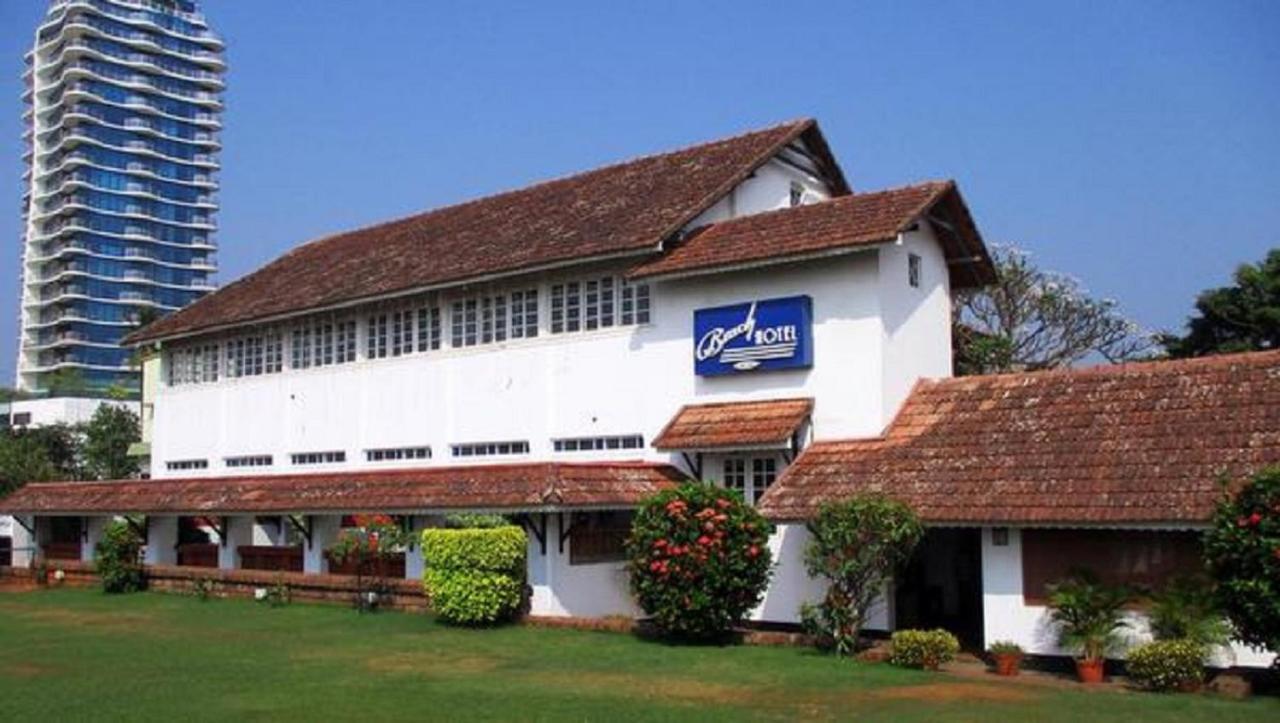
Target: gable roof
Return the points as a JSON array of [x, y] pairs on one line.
[[626, 208], [1135, 443], [515, 487], [839, 224], [734, 425]]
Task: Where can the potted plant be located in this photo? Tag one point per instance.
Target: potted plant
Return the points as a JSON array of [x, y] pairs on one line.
[[1007, 656], [1090, 616]]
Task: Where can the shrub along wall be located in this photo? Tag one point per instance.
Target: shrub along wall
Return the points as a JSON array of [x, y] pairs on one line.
[[474, 576]]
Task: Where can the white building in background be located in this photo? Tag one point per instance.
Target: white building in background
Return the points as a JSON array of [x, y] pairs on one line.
[[731, 312]]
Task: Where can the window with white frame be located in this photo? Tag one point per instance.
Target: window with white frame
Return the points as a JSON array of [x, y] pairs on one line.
[[524, 314], [248, 460], [178, 465], [598, 303], [376, 337], [254, 355], [194, 364], [797, 194], [322, 342], [913, 270], [395, 454], [749, 477], [595, 444], [327, 457], [428, 328], [489, 449]]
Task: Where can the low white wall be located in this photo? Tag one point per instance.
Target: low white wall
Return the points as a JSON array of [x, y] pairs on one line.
[[564, 590], [1006, 616]]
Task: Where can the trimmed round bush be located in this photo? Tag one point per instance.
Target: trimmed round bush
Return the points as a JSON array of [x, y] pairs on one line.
[[1167, 664], [922, 648], [699, 560], [474, 576]]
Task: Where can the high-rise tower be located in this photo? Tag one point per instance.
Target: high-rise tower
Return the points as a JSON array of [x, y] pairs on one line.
[[123, 110]]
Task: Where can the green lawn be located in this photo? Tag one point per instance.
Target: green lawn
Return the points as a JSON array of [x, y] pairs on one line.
[[78, 655]]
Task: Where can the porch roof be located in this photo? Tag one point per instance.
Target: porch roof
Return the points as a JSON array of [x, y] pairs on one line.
[[735, 425], [1146, 443], [499, 487]]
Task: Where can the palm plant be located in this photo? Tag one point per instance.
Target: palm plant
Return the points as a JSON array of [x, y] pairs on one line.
[[1089, 614], [1186, 609]]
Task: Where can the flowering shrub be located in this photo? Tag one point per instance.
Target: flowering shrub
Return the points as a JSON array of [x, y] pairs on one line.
[[698, 559], [1242, 550], [1167, 664], [369, 545], [922, 648], [117, 558], [855, 544], [474, 576]]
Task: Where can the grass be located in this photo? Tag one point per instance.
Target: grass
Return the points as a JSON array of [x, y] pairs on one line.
[[79, 655]]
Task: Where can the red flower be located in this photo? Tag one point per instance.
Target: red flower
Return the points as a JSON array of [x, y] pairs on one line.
[[1242, 522], [753, 551], [723, 503], [704, 540], [660, 543], [1254, 519]]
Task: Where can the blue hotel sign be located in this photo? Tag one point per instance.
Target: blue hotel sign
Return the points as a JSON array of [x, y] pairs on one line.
[[757, 336]]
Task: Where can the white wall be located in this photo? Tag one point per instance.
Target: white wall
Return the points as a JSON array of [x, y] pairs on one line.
[[768, 189], [66, 410], [914, 344], [618, 381], [561, 589], [791, 586], [1007, 617]]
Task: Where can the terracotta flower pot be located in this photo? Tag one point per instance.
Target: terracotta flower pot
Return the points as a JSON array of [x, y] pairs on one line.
[[1007, 664], [1090, 671]]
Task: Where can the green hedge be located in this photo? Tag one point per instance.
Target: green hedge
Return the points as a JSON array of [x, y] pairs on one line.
[[474, 576]]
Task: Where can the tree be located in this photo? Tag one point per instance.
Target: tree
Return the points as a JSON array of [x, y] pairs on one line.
[[63, 446], [108, 435], [1034, 319], [117, 558], [1242, 549], [23, 459], [699, 560], [856, 545], [1242, 317]]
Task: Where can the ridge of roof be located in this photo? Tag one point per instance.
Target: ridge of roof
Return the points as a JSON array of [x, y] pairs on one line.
[[187, 321]]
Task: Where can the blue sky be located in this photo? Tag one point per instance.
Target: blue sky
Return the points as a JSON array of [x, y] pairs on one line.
[[1132, 145]]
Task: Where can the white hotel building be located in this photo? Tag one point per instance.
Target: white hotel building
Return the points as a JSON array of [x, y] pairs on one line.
[[731, 312]]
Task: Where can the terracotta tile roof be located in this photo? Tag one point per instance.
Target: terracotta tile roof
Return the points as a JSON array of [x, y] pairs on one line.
[[1137, 443], [734, 425], [839, 224], [496, 487], [629, 207]]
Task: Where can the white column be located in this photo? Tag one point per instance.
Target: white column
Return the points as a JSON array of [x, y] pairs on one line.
[[413, 563], [93, 528], [324, 530], [23, 542], [239, 531], [269, 533], [162, 541]]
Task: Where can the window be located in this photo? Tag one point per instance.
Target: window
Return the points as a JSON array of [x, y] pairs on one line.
[[1138, 558], [332, 457], [596, 537], [489, 449], [428, 328], [322, 343], [186, 464], [750, 477], [193, 365], [635, 303], [591, 444], [913, 270], [21, 419], [797, 194], [390, 454], [250, 356], [376, 337], [248, 460], [524, 314]]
